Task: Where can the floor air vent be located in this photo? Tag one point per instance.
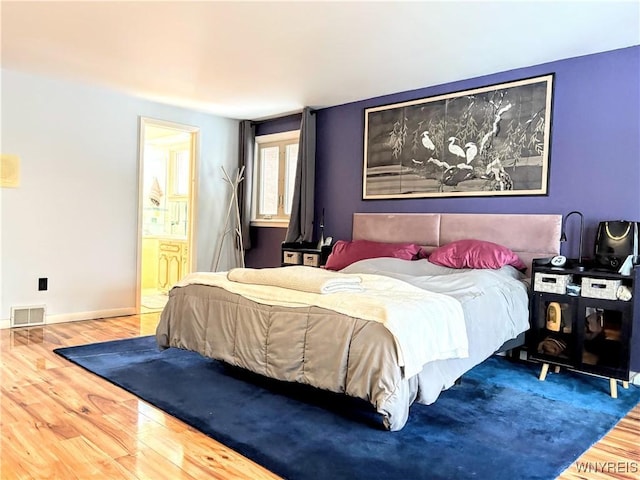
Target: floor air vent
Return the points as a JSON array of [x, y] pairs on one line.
[[27, 316]]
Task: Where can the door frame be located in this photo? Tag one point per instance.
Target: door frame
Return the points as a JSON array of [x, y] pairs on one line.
[[143, 122]]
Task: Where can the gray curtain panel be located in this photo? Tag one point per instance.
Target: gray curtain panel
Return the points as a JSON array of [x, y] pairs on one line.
[[245, 149], [302, 210]]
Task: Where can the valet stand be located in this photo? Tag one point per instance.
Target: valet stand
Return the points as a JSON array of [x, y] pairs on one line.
[[233, 205]]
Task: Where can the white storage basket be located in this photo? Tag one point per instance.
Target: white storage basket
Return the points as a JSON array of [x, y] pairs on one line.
[[552, 283], [311, 259], [291, 258], [600, 288]]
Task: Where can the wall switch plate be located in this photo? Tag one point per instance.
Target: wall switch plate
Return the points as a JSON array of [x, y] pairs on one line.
[[42, 284]]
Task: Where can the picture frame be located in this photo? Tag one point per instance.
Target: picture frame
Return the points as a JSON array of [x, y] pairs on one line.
[[488, 141]]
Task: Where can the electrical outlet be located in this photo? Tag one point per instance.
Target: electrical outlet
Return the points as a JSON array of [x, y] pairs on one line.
[[42, 284]]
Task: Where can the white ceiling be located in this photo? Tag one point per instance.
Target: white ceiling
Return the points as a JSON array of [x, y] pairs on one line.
[[263, 59]]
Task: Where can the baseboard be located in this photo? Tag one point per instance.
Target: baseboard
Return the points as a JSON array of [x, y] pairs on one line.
[[78, 316], [635, 378]]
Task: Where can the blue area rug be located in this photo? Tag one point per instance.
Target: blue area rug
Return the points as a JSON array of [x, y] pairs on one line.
[[500, 423]]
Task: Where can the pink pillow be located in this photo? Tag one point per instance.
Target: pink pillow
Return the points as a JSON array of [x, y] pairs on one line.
[[475, 254], [345, 253]]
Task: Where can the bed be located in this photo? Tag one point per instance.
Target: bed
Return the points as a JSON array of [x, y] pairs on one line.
[[359, 345]]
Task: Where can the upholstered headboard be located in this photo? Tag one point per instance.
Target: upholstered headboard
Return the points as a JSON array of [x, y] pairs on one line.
[[529, 235]]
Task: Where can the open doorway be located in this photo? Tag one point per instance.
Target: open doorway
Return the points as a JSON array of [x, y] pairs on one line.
[[166, 209]]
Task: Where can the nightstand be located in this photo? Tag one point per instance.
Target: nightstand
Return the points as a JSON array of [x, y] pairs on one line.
[[586, 320], [305, 253]]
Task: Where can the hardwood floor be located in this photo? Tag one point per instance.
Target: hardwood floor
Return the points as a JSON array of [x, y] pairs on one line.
[[59, 421]]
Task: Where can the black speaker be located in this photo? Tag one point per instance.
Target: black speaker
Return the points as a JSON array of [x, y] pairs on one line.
[[615, 241]]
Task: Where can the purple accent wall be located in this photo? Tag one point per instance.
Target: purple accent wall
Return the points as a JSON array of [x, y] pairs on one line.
[[594, 155], [265, 247], [279, 125]]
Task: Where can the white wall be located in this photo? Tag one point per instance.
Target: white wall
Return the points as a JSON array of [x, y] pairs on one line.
[[74, 217]]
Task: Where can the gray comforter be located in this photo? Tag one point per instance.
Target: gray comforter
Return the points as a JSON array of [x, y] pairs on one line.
[[339, 353]]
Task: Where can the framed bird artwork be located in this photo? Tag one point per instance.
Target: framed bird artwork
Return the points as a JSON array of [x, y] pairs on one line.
[[488, 141]]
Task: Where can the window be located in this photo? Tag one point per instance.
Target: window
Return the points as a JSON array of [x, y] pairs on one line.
[[179, 161], [275, 172]]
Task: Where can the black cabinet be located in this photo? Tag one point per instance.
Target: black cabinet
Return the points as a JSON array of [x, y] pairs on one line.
[[304, 254], [585, 320]]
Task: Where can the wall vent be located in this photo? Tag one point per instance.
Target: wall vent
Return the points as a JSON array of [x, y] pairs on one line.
[[28, 316]]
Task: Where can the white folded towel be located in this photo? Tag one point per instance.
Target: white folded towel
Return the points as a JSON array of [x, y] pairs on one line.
[[298, 277]]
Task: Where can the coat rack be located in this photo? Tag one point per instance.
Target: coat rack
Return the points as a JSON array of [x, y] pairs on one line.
[[233, 204]]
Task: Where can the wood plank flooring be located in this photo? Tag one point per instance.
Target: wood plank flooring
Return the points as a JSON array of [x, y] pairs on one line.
[[58, 421]]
